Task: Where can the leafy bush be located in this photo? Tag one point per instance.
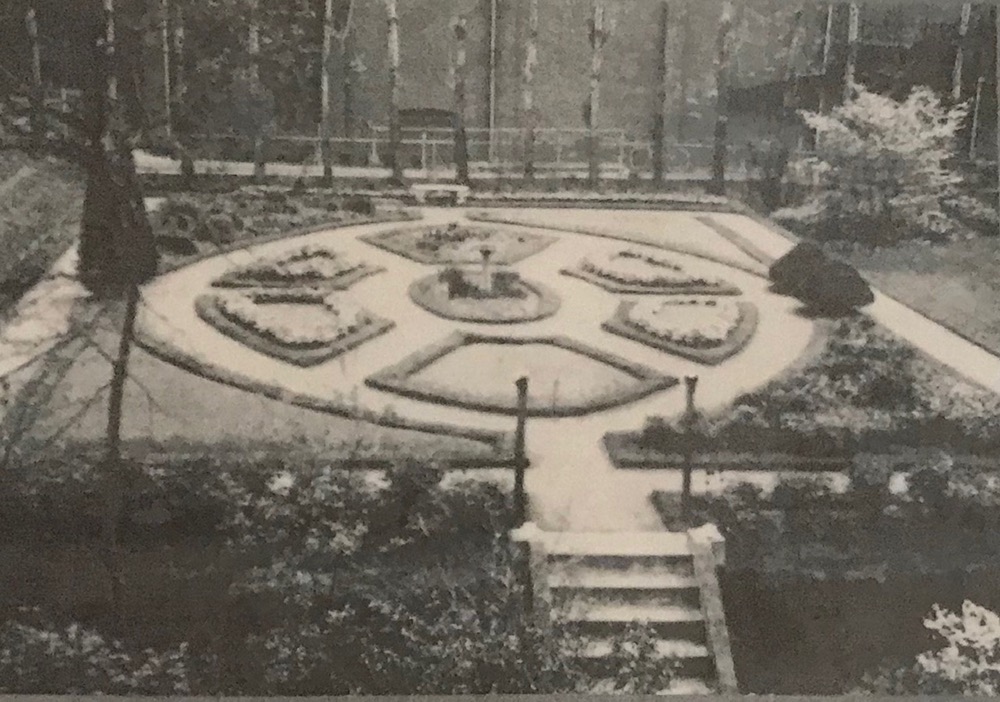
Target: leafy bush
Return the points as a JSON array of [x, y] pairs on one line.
[[219, 228], [883, 166], [823, 284], [179, 215], [359, 204]]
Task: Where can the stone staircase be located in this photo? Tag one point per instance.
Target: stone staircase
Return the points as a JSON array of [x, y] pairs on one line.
[[599, 584]]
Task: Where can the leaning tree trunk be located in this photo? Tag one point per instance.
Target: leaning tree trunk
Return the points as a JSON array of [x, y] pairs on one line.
[[37, 90], [598, 36], [719, 154], [395, 127], [528, 90], [461, 141], [324, 118], [662, 97]]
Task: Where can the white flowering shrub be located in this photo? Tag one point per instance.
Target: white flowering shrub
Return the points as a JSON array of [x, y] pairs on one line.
[[73, 660], [883, 167]]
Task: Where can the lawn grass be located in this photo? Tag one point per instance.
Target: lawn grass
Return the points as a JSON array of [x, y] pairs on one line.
[[953, 283]]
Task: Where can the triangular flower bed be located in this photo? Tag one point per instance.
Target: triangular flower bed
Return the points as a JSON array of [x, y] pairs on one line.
[[303, 328], [633, 272], [705, 331], [308, 267]]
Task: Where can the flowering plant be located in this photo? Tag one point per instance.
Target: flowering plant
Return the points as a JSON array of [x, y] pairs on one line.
[[634, 268], [305, 324], [309, 263], [691, 322]]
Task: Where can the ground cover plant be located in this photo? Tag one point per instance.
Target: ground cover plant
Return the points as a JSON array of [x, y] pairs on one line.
[[863, 390], [457, 243], [300, 327], [463, 295], [631, 271], [706, 331], [309, 266], [566, 378]]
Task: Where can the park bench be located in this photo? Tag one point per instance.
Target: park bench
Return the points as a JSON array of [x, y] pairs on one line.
[[457, 194]]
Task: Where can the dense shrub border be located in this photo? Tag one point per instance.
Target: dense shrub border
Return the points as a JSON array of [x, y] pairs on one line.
[[488, 311], [398, 378], [737, 340], [402, 242], [207, 307], [499, 441], [722, 288]]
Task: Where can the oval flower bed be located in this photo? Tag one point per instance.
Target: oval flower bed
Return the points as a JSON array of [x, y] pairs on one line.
[[459, 243], [304, 327], [309, 266], [454, 294], [706, 331], [631, 271]]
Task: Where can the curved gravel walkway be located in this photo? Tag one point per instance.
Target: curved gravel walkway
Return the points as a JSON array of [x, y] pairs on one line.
[[572, 485]]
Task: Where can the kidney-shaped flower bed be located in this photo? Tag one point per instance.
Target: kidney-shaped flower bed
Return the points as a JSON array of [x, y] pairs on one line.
[[488, 297], [630, 271], [706, 331], [301, 327], [310, 266], [460, 243], [565, 378]]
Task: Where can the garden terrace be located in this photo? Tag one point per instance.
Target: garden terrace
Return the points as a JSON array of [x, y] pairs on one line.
[[299, 327], [632, 272], [705, 331], [460, 243], [509, 300], [574, 379]]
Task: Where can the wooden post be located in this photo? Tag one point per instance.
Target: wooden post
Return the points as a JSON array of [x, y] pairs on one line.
[[722, 93], [37, 90], [520, 457], [662, 106], [461, 139], [527, 90], [598, 36], [324, 118], [956, 73], [395, 127], [165, 53], [853, 29]]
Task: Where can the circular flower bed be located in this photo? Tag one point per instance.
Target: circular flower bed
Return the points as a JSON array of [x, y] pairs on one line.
[[631, 271], [304, 328], [707, 331], [462, 296]]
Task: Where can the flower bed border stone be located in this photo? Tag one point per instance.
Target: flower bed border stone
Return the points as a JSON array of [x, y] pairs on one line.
[[737, 340], [500, 256], [207, 307], [398, 378], [548, 304], [723, 288], [500, 441]]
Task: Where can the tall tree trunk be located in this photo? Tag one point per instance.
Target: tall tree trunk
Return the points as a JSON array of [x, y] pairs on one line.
[[793, 44], [461, 142], [395, 127], [253, 49], [324, 119], [597, 38], [168, 120], [956, 74], [827, 51], [684, 76], [719, 154], [662, 96], [37, 89], [347, 108], [996, 20], [853, 30], [528, 90]]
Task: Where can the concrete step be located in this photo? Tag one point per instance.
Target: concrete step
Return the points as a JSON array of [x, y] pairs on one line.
[[666, 649], [575, 597], [685, 659], [610, 619], [642, 544], [678, 686], [662, 575]]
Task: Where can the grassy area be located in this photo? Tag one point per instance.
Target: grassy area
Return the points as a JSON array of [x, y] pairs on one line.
[[954, 283]]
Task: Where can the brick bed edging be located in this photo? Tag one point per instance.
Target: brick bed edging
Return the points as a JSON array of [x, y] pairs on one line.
[[499, 441], [760, 272], [209, 309], [397, 378], [612, 286], [548, 304], [379, 241], [745, 329]]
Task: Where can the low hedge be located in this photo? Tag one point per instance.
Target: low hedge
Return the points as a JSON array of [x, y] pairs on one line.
[[209, 309], [737, 340], [398, 378]]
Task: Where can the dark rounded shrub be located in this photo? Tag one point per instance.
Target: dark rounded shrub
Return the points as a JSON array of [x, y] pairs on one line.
[[359, 204], [823, 284], [219, 228]]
